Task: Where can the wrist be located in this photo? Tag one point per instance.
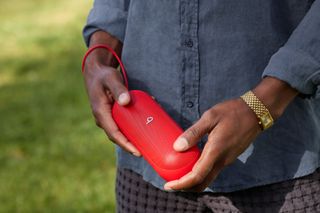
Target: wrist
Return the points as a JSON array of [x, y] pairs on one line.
[[100, 58], [275, 94]]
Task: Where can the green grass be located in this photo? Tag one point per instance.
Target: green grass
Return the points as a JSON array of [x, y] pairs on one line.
[[52, 157]]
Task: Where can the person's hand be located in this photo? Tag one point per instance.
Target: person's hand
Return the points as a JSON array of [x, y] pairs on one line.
[[104, 85], [231, 127]]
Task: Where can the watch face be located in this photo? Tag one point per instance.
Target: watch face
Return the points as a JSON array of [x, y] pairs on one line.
[[266, 121]]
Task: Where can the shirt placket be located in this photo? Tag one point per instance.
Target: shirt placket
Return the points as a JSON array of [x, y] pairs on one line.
[[189, 61]]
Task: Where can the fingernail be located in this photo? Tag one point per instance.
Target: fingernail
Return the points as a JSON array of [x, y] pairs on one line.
[[181, 144], [137, 154], [167, 188], [123, 98]]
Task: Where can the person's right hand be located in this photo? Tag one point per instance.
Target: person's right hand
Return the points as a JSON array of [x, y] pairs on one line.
[[104, 85]]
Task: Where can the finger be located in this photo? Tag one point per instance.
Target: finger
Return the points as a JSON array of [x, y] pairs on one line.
[[214, 155], [193, 178], [208, 161], [215, 170], [209, 179], [194, 134], [101, 107], [114, 83], [116, 136]]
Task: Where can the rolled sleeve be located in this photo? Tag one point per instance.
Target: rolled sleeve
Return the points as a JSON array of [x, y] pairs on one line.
[[298, 61], [109, 16]]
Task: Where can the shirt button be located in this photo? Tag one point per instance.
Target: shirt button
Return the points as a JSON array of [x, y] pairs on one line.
[[188, 43], [189, 104]]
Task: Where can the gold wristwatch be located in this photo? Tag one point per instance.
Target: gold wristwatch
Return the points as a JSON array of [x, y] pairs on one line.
[[261, 111]]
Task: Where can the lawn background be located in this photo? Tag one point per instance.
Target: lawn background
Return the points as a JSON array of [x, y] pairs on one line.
[[52, 156]]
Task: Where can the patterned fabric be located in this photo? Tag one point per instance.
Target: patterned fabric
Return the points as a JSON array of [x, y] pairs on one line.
[[299, 195]]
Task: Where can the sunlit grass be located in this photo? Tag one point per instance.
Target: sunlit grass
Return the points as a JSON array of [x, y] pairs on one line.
[[52, 157]]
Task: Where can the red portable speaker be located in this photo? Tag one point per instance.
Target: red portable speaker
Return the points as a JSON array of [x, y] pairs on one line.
[[152, 131]]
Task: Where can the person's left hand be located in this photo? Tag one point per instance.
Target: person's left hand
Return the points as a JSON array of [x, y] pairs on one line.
[[231, 127]]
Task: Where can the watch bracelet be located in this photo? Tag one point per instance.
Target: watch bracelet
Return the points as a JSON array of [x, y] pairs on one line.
[[261, 111]]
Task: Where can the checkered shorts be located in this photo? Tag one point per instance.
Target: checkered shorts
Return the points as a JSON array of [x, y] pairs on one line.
[[135, 195]]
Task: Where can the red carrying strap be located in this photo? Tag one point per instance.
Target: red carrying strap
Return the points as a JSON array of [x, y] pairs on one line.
[[123, 71]]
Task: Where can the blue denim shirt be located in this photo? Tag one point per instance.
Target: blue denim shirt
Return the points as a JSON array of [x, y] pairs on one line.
[[193, 54]]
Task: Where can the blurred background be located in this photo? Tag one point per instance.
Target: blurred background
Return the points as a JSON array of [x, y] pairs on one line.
[[52, 156]]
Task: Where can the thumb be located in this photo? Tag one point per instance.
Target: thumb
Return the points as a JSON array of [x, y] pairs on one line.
[[118, 90], [192, 135], [122, 95]]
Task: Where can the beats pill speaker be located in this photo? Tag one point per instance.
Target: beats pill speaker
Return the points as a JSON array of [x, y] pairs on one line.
[[152, 131]]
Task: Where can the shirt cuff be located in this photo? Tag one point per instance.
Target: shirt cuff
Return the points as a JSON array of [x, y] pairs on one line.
[[108, 19], [298, 69]]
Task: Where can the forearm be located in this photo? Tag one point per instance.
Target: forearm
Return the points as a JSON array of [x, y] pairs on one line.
[[275, 94], [101, 57]]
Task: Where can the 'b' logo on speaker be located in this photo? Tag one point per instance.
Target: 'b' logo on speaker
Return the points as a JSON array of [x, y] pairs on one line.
[[149, 120]]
